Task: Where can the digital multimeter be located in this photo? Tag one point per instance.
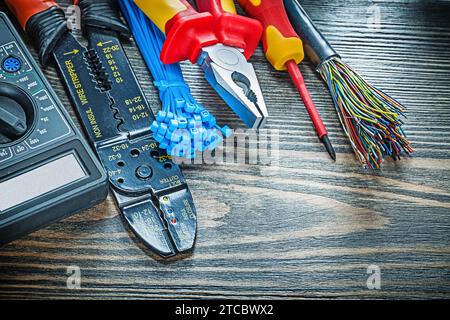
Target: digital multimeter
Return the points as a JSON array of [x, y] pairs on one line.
[[47, 170]]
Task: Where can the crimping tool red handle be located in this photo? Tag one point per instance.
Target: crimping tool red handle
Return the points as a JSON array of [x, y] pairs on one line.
[[188, 31], [25, 9], [43, 20]]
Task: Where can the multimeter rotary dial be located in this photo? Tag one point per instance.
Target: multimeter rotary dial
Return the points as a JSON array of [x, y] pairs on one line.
[[17, 113]]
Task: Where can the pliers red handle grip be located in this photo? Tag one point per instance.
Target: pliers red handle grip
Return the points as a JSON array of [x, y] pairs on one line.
[[188, 30]]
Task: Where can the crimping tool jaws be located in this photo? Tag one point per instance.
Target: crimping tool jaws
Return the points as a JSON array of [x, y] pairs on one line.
[[152, 194]]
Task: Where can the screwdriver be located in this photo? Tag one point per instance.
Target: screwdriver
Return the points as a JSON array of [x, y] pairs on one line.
[[284, 50]]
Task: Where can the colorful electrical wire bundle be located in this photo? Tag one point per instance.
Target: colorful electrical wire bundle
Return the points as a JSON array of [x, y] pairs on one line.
[[371, 119], [183, 127]]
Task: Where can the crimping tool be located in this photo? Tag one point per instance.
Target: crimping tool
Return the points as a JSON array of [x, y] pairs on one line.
[[218, 40], [149, 188]]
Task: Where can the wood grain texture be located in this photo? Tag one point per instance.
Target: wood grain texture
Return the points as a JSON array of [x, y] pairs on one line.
[[307, 228]]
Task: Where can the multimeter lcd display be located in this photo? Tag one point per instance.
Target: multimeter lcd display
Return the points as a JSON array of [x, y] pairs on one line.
[[49, 177]]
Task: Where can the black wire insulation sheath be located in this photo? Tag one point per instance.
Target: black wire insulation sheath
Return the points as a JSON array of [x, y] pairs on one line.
[[316, 46]]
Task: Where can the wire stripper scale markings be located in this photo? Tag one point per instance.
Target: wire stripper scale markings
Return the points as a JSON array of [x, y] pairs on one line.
[[218, 40], [47, 170], [148, 187]]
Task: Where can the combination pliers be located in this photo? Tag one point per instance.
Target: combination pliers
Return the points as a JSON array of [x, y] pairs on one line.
[[218, 40]]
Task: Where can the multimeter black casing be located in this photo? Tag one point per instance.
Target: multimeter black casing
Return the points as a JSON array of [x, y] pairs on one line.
[[49, 172]]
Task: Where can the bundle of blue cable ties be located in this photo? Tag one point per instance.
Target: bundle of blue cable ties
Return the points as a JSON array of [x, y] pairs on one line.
[[183, 127]]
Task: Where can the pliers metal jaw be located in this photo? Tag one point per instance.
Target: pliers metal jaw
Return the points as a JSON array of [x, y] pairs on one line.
[[235, 80]]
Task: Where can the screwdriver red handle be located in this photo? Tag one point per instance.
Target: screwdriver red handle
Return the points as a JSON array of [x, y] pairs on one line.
[[281, 43]]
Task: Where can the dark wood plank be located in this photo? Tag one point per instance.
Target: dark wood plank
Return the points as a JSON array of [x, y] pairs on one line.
[[306, 228]]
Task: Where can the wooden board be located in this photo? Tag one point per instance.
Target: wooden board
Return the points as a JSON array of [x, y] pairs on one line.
[[306, 228]]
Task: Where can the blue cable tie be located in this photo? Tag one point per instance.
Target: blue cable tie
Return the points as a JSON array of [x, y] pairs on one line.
[[182, 123], [161, 116], [163, 85], [190, 107], [155, 127], [180, 103], [184, 126]]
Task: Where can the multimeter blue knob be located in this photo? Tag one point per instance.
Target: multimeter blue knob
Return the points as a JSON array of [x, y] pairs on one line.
[[11, 64]]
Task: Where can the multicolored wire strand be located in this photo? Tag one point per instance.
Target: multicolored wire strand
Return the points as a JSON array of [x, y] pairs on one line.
[[371, 119]]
